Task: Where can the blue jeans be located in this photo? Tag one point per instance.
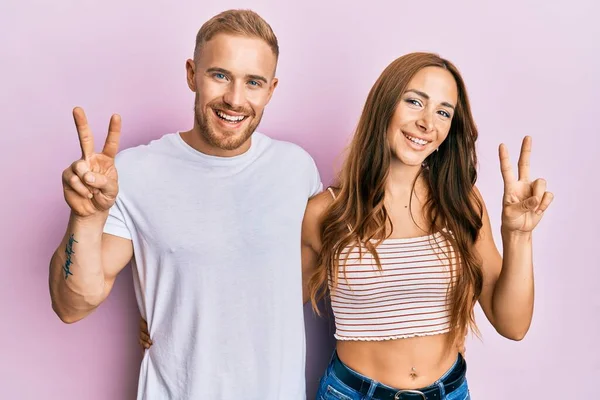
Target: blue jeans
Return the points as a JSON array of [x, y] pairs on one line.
[[331, 387]]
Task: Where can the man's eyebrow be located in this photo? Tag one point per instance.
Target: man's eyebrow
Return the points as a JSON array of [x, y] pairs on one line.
[[220, 70], [257, 78]]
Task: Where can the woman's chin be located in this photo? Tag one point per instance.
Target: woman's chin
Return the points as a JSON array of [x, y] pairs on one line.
[[408, 161]]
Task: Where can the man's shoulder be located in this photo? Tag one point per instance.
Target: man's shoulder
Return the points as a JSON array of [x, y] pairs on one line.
[[138, 153], [288, 150]]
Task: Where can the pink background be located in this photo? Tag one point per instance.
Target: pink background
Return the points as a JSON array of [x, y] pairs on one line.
[[531, 68]]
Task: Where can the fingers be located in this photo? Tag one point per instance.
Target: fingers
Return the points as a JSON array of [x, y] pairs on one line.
[[73, 182], [517, 209], [108, 187], [505, 168], [80, 168], [524, 159], [530, 203], [74, 178], [145, 345], [539, 187], [87, 183], [523, 164], [144, 337], [86, 139], [111, 146], [539, 191], [545, 203], [144, 340], [535, 203]]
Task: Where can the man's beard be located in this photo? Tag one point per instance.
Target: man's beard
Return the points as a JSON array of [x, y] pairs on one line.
[[228, 140]]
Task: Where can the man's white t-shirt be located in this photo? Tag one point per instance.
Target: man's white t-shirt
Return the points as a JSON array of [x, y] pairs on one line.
[[217, 267]]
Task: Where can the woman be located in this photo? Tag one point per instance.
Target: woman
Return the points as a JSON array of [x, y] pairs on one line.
[[403, 244], [403, 247]]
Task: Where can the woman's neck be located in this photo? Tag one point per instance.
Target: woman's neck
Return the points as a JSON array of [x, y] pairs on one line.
[[401, 179]]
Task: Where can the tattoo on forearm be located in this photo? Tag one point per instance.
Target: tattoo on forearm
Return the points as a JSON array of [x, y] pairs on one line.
[[69, 251]]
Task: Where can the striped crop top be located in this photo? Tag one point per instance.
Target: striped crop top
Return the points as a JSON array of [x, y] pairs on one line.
[[406, 298]]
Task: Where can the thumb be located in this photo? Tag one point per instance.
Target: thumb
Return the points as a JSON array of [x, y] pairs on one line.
[[531, 203], [108, 187], [524, 206]]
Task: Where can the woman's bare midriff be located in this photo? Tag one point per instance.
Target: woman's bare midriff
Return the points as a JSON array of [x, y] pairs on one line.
[[410, 363]]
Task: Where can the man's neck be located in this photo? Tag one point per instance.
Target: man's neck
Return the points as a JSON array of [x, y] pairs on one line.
[[196, 140]]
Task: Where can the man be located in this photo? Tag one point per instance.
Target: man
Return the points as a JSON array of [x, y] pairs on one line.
[[211, 220]]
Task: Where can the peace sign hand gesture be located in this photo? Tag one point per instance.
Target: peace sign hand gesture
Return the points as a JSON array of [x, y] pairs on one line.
[[524, 202], [90, 184]]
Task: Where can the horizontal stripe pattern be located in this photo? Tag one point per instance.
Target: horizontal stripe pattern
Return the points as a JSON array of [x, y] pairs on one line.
[[406, 298]]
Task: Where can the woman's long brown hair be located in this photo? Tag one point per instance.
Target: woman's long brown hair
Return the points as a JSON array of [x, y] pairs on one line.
[[451, 208]]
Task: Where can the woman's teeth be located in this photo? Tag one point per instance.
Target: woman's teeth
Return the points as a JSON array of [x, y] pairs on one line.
[[416, 140]]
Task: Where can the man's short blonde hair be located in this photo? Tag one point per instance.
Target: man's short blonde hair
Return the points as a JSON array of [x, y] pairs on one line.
[[237, 22]]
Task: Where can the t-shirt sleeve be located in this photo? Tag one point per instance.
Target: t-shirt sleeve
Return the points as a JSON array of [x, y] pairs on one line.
[[315, 179], [115, 224]]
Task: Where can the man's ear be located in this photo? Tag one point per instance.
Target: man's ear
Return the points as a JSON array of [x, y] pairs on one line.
[[274, 83], [190, 67]]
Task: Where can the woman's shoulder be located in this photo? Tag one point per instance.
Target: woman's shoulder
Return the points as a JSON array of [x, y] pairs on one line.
[[311, 225], [318, 204]]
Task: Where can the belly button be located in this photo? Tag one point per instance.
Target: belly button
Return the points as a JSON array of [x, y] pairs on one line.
[[413, 373]]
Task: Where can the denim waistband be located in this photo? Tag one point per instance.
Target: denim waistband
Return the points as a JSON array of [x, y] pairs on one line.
[[449, 381]]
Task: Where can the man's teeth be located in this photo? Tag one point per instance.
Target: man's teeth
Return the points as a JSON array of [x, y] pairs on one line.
[[417, 141], [230, 118]]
